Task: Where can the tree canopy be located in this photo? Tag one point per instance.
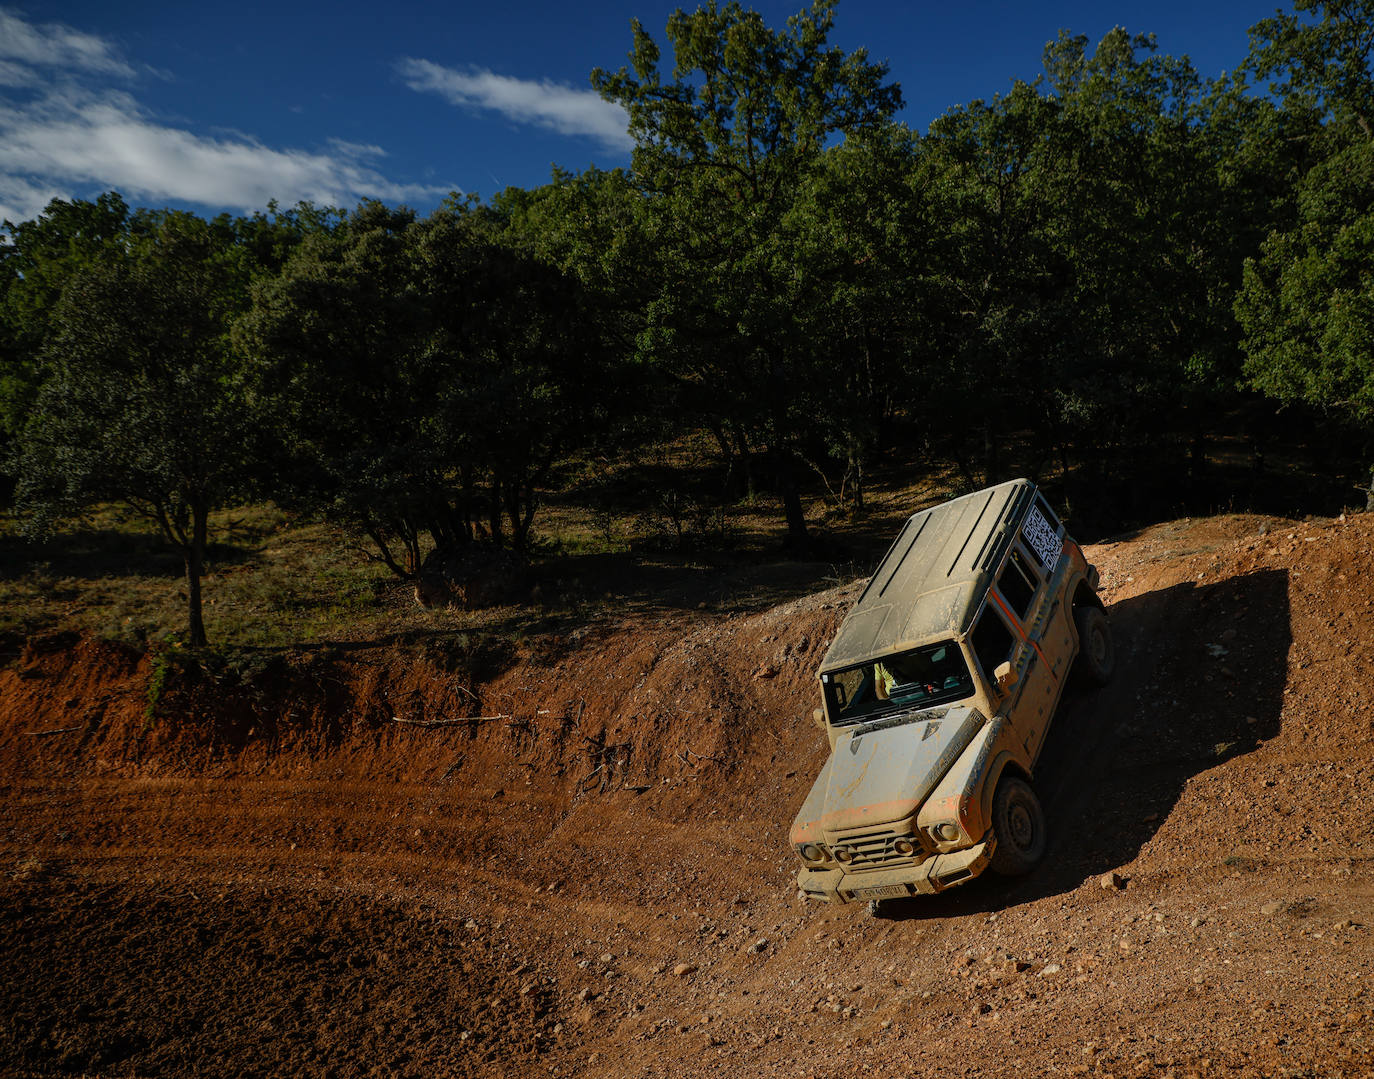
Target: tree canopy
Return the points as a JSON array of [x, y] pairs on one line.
[[726, 152], [141, 399], [1306, 305], [1092, 277]]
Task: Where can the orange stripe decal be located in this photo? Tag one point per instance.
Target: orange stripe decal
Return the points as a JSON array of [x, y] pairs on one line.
[[1016, 623]]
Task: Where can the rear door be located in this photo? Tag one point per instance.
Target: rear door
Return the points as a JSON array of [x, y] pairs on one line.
[[1020, 591], [1043, 538]]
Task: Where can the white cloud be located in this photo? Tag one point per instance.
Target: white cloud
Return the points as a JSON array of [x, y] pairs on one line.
[[12, 74], [63, 131], [552, 105], [55, 45], [21, 199], [105, 140]]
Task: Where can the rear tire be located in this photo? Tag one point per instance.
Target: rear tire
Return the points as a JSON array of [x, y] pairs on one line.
[[1019, 824], [1096, 652]]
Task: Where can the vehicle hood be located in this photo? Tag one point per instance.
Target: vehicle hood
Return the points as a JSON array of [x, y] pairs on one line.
[[882, 771]]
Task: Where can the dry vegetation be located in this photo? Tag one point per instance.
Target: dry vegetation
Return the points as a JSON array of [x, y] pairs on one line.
[[277, 579]]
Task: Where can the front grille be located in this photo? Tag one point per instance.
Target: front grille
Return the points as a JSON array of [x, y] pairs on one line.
[[872, 850]]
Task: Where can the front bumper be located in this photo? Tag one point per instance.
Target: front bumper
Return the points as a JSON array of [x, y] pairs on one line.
[[933, 875]]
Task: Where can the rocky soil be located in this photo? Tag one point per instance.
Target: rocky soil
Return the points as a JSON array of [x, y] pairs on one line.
[[570, 857]]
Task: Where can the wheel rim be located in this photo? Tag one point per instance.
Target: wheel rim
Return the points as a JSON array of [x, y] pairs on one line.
[[1098, 644], [1020, 826]]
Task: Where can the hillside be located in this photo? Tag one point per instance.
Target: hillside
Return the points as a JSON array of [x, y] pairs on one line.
[[568, 855]]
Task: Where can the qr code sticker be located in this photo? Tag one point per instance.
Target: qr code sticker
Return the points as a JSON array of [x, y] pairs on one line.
[[1041, 538]]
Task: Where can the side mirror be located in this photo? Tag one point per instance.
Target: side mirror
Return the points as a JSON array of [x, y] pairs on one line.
[[818, 717], [1005, 675]]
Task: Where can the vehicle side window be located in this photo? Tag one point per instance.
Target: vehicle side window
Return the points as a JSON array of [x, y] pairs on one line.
[[992, 641], [847, 688], [1018, 584]]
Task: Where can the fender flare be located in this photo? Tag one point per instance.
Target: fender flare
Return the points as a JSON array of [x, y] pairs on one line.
[[1082, 592], [1001, 764]]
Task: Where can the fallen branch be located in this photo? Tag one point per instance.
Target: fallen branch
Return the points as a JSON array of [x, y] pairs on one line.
[[448, 722], [58, 730]]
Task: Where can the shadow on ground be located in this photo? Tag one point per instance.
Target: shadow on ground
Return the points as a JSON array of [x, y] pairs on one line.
[[1200, 678], [736, 584], [95, 553]]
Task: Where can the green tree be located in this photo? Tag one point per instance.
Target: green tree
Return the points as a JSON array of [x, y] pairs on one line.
[[724, 150], [426, 375], [39, 259], [859, 291], [142, 400], [522, 352], [1142, 224], [1307, 303], [591, 228], [1320, 64], [1086, 231], [329, 335], [995, 283]]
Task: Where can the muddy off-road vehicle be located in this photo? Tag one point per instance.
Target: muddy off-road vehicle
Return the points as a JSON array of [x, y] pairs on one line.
[[938, 691]]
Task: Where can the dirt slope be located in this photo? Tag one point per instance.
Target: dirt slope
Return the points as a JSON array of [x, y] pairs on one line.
[[282, 870]]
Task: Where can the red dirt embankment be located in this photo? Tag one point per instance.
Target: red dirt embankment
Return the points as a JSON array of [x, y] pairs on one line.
[[571, 858]]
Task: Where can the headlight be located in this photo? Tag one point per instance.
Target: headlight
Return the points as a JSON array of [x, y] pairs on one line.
[[947, 832], [904, 846], [844, 855], [813, 852]]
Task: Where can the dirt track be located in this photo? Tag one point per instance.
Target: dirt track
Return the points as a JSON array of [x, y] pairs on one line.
[[272, 876]]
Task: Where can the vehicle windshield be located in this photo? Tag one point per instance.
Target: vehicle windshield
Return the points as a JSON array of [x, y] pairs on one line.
[[920, 678]]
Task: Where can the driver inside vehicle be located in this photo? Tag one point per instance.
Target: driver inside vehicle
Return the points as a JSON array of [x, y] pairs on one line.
[[916, 674]]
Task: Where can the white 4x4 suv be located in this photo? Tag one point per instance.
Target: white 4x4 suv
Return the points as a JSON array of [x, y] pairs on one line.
[[938, 691]]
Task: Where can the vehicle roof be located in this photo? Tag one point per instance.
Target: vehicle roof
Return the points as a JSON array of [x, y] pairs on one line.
[[932, 580]]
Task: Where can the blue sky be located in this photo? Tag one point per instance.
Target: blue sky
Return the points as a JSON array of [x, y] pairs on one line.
[[216, 108]]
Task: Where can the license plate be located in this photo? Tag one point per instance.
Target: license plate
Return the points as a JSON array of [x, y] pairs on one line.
[[887, 891]]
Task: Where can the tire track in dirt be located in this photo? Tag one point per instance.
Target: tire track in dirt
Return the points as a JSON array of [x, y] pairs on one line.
[[178, 932]]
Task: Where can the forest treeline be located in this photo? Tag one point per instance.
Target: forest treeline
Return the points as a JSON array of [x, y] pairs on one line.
[[1077, 279]]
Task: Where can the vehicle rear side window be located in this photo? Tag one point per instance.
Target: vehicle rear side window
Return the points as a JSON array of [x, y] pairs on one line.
[[1018, 584], [1047, 513], [1040, 534], [992, 641]]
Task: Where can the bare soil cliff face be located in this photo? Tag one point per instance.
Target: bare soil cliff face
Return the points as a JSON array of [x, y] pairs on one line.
[[571, 858]]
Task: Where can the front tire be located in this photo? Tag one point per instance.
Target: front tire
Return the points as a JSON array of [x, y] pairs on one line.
[[1096, 652], [1019, 824]]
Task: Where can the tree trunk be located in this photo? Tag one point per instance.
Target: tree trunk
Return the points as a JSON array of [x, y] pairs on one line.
[[745, 456], [1197, 456], [791, 500], [856, 466], [796, 516], [195, 566], [494, 513], [520, 511], [992, 460]]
